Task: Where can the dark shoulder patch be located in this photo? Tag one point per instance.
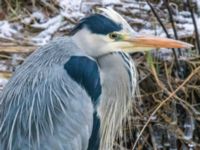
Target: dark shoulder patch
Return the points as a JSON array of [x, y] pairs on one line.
[[86, 73]]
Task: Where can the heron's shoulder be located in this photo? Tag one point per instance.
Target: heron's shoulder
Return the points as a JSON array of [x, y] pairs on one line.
[[85, 71]]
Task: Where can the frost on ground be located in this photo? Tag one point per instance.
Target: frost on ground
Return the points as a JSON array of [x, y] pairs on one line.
[[3, 82], [8, 30], [51, 27], [71, 9], [69, 12]]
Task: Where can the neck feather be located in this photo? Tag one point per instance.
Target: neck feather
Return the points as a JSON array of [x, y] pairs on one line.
[[118, 89]]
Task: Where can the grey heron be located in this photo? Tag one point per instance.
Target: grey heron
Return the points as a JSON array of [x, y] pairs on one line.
[[74, 93]]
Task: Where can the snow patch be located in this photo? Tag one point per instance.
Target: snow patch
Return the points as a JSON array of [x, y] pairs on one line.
[[7, 30], [108, 2], [3, 82], [71, 9], [198, 6], [37, 16], [51, 27]]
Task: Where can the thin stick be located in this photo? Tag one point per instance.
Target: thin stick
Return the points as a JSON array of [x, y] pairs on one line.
[[172, 23], [166, 32], [158, 18], [195, 25]]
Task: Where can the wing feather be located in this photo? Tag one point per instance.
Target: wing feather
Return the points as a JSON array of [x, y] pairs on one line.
[[43, 108]]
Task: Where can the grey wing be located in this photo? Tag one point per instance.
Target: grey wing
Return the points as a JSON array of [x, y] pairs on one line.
[[45, 110], [75, 117]]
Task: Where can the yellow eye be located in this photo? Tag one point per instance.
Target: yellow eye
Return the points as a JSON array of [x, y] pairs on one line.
[[114, 36]]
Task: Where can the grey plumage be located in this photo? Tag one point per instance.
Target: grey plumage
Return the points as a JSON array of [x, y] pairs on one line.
[[42, 108]]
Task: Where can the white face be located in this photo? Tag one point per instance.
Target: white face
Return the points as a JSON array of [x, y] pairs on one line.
[[98, 44], [91, 43]]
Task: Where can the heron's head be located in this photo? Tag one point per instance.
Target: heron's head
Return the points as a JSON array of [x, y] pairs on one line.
[[101, 34]]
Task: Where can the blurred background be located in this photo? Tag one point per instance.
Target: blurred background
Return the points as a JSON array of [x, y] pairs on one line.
[[166, 114]]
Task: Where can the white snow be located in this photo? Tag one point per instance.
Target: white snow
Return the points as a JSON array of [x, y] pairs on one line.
[[107, 2], [198, 6], [185, 13], [37, 16], [3, 82], [6, 30], [51, 27], [27, 20], [189, 127], [71, 9], [50, 22], [198, 23], [182, 19]]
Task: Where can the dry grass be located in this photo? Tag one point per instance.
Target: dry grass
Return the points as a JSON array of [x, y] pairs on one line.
[[167, 112]]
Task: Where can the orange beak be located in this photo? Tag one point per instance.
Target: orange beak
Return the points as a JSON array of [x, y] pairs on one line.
[[146, 43]]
